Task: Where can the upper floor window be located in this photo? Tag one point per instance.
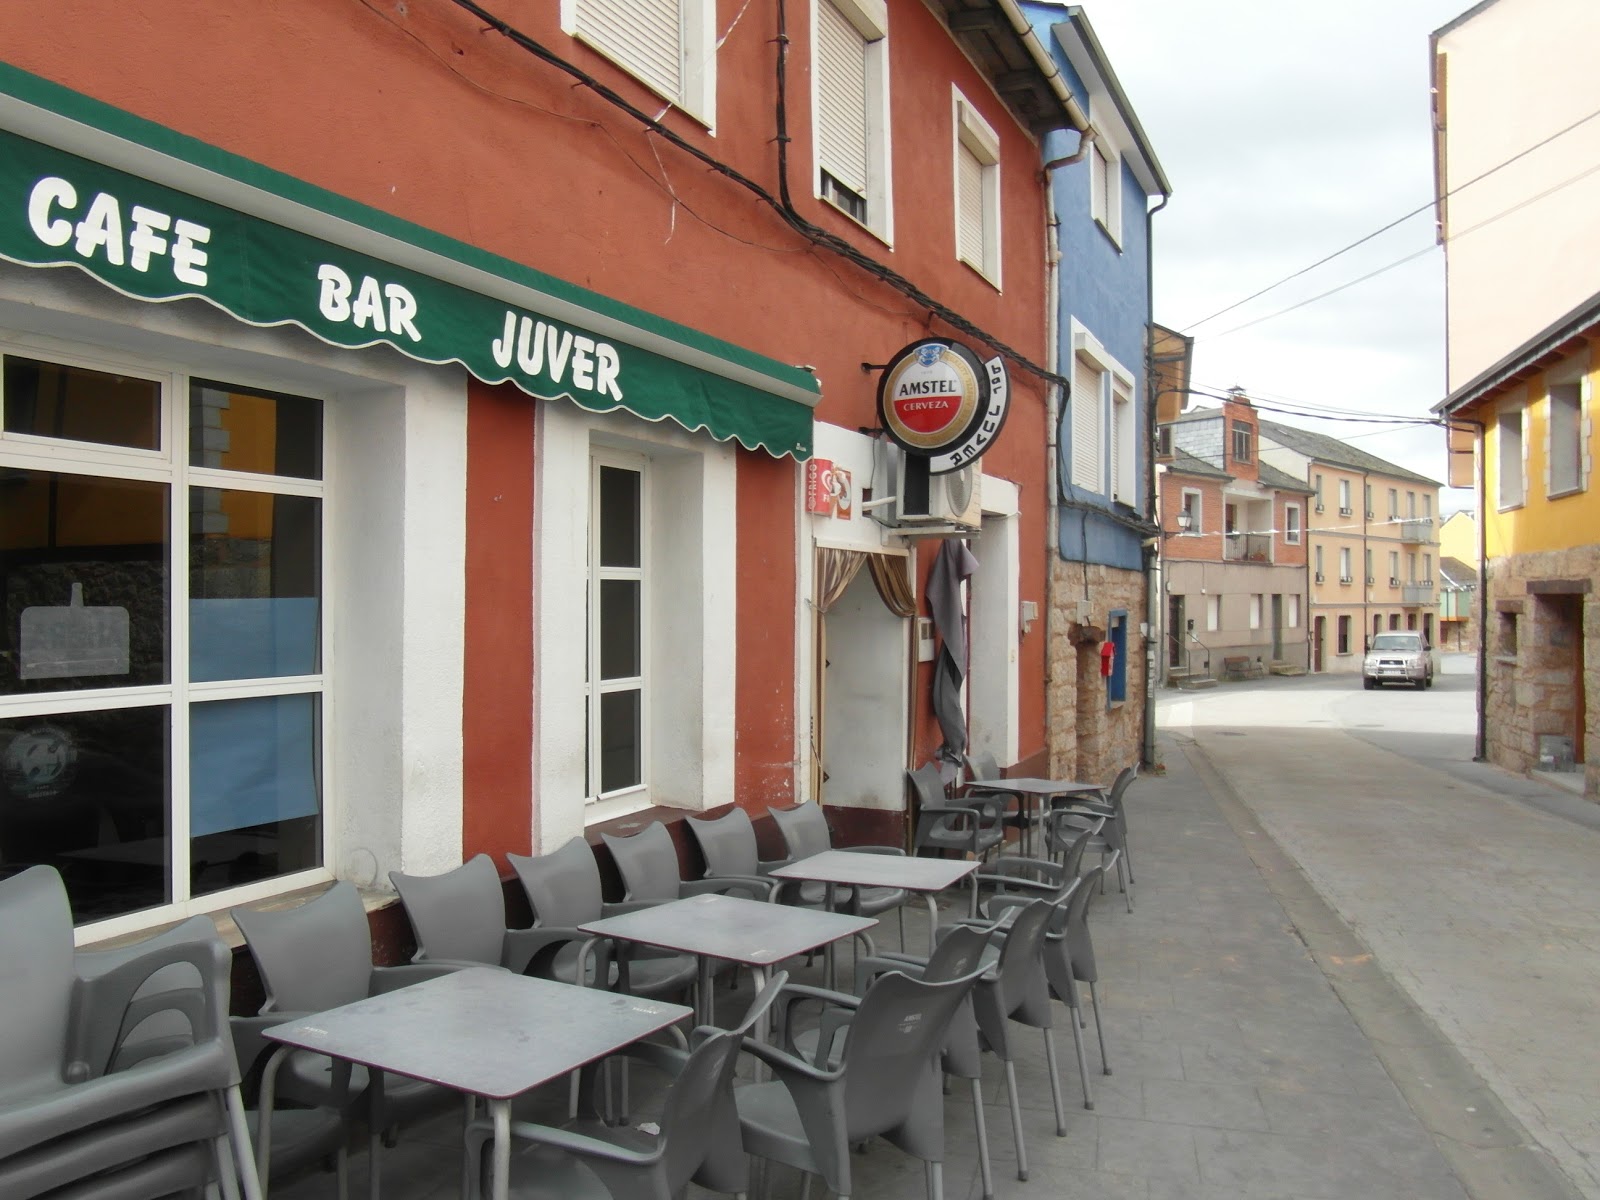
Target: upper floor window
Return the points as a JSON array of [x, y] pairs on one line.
[[977, 190], [1243, 442], [1105, 189], [1101, 396], [1508, 431], [668, 45], [1087, 404], [1191, 508], [1566, 437], [850, 101], [1394, 504], [1316, 482], [1124, 441], [1344, 498], [1291, 524]]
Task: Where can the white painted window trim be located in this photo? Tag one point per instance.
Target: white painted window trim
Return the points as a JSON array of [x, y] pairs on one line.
[[1293, 531], [974, 136], [1105, 188], [696, 93], [1124, 439], [1514, 412], [1213, 613], [1088, 348], [1573, 371], [871, 20], [1197, 522]]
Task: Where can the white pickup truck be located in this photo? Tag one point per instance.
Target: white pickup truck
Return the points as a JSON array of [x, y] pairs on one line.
[[1399, 656]]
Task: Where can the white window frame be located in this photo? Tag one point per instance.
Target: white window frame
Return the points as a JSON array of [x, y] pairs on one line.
[[1572, 380], [870, 19], [695, 89], [1511, 445], [1255, 611], [1105, 188], [1345, 508], [594, 688], [1292, 611], [1091, 424], [1124, 445], [169, 465], [975, 144], [1213, 613], [1345, 573], [1196, 510], [1292, 525]]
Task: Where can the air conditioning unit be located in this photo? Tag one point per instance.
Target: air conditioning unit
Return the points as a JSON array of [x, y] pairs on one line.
[[922, 499], [1370, 514], [1319, 506], [1371, 579], [1345, 512], [1394, 581], [1347, 579], [1320, 577]]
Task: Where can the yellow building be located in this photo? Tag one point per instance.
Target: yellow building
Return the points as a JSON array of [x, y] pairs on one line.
[[1528, 422]]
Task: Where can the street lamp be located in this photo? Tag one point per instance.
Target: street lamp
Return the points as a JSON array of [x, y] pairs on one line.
[[1185, 519]]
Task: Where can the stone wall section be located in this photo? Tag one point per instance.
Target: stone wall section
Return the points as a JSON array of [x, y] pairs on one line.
[[1531, 650], [1088, 740]]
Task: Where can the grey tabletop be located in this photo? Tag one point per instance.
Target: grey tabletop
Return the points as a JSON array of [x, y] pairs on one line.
[[878, 870], [1037, 787], [481, 1030], [752, 932]]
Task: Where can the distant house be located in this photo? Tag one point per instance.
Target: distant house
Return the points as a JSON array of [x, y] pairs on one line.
[[1371, 542], [1234, 549]]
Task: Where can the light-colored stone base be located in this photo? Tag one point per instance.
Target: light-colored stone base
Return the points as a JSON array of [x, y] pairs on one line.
[[1088, 739]]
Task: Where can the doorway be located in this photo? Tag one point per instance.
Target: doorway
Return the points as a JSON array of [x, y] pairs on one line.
[[862, 740], [1319, 636], [1562, 659], [1176, 631], [1277, 626]]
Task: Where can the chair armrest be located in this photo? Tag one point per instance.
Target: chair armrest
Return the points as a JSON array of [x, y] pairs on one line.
[[533, 951], [762, 889], [617, 908], [895, 851], [1014, 869], [1083, 804], [788, 1067], [581, 1144], [392, 979], [873, 965]]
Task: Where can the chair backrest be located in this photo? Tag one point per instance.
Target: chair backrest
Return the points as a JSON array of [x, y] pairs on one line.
[[890, 1057], [927, 783], [460, 915], [804, 829], [1020, 959], [647, 861], [36, 995], [958, 954], [982, 765], [1079, 945], [727, 843], [563, 886], [1124, 777], [313, 957], [1072, 860], [700, 1088]]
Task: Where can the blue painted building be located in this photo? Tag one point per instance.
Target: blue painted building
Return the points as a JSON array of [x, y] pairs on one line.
[[1105, 187]]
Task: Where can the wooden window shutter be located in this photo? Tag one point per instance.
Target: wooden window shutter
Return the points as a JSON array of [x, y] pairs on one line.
[[1085, 404], [970, 241]]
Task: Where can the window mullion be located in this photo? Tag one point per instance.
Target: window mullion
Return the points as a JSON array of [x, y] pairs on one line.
[[178, 663]]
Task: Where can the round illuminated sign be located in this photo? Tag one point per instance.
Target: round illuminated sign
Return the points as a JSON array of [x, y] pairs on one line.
[[939, 401]]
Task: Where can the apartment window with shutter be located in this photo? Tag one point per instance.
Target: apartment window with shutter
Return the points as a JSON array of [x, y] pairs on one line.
[[1243, 442], [1508, 431], [1087, 403], [1105, 190], [1291, 524], [1124, 481], [1566, 438], [1344, 565], [668, 45], [977, 156], [1191, 505], [850, 103]]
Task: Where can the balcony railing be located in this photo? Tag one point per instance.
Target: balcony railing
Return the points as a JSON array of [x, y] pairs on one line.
[[1417, 593], [1419, 530], [1247, 547]]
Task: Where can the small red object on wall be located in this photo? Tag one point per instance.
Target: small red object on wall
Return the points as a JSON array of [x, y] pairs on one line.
[[828, 490], [1108, 658]]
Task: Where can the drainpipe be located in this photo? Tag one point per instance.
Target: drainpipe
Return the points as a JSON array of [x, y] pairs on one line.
[[1085, 140], [1154, 608], [1053, 409]]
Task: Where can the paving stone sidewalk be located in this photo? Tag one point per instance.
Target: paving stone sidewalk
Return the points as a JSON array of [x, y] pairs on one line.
[[1238, 1072]]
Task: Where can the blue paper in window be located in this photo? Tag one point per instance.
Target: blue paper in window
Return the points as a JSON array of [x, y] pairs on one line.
[[252, 762], [253, 639]]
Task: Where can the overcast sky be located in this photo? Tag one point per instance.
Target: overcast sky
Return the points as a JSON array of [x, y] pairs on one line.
[[1288, 130]]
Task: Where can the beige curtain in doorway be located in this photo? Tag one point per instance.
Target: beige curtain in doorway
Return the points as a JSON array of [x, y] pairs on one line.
[[835, 569]]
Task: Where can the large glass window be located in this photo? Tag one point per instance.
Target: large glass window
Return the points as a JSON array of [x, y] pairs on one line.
[[617, 607], [161, 662]]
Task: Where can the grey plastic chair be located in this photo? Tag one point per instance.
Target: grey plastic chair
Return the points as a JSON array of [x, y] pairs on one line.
[[648, 864], [886, 1083], [696, 1141], [1067, 822], [805, 832], [1111, 805], [564, 890], [313, 957], [459, 919], [1069, 961], [974, 825], [728, 844], [117, 1073]]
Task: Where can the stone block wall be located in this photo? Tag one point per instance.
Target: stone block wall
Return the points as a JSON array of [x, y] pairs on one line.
[[1543, 657], [1088, 739]]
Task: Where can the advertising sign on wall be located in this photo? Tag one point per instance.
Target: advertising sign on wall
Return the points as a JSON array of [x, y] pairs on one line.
[[939, 401]]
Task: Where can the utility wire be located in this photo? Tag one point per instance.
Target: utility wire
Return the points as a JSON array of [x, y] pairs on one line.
[[1392, 224]]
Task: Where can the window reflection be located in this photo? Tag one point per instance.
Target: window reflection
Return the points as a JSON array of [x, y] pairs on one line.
[[266, 433], [76, 404]]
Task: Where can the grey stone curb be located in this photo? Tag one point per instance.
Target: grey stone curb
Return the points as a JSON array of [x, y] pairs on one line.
[[1486, 1147]]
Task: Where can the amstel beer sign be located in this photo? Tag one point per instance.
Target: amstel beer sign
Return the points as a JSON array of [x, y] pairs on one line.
[[939, 401]]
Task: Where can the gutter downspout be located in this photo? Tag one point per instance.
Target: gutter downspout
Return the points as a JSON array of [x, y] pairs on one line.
[[1480, 747], [1054, 405], [1152, 571], [1046, 64]]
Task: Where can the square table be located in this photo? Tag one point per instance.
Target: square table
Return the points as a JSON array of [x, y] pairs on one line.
[[1028, 789], [854, 869], [753, 933], [484, 1032]]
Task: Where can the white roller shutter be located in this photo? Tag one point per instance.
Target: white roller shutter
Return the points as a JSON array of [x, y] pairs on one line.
[[1086, 404], [841, 98], [970, 242], [646, 36]]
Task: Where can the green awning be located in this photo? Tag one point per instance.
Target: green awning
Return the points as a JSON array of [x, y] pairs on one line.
[[430, 297]]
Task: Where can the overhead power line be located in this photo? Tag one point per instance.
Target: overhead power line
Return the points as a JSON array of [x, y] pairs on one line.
[[1361, 241]]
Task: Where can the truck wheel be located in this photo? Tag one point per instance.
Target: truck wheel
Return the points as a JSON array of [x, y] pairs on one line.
[[1369, 684], [1422, 683]]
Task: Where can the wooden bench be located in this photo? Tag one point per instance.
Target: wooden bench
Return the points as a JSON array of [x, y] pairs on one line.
[[1242, 666]]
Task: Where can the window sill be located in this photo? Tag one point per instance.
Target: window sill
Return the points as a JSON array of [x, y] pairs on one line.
[[980, 272], [1512, 507], [1578, 490], [854, 220], [1506, 660]]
